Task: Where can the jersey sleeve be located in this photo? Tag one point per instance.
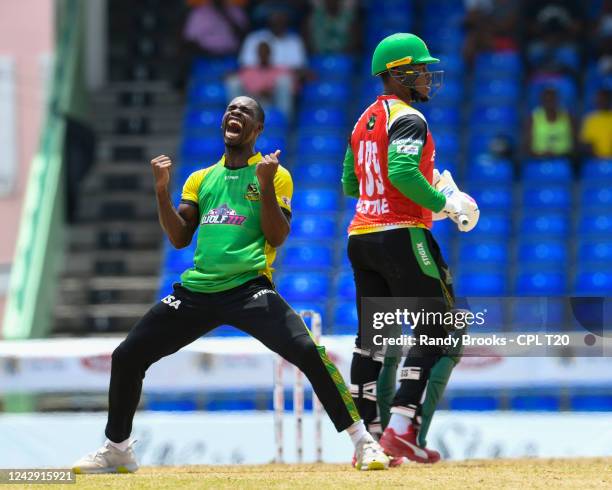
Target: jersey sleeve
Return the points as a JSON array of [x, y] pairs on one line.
[[407, 137], [350, 184], [191, 188], [283, 186]]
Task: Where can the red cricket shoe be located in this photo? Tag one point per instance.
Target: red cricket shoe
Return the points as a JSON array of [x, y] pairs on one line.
[[406, 445]]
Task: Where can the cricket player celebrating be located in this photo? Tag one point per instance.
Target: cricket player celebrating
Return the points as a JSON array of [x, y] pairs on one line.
[[242, 209], [389, 166]]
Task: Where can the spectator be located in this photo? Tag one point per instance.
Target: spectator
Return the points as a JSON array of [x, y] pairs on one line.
[[272, 57], [490, 25], [554, 28], [216, 27], [596, 131], [287, 48], [267, 82], [332, 27], [550, 129]]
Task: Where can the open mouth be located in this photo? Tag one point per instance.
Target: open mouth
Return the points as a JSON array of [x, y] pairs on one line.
[[233, 128]]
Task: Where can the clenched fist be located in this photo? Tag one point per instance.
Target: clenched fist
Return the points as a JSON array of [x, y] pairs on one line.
[[161, 171], [266, 169]]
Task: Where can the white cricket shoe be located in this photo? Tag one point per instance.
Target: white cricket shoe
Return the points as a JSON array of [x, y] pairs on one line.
[[370, 455], [107, 459]]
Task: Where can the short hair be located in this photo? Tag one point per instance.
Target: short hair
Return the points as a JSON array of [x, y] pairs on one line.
[[261, 115]]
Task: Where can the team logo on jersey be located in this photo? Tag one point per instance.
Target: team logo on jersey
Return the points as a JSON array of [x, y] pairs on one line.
[[223, 215], [252, 193], [371, 122]]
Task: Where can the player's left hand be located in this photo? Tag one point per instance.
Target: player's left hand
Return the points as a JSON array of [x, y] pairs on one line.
[[266, 169]]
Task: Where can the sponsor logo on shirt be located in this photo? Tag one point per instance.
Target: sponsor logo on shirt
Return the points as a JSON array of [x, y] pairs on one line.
[[408, 149], [286, 201], [371, 122], [223, 215], [252, 193], [407, 141]]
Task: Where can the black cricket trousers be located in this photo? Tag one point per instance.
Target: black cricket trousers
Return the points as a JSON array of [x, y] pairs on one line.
[[255, 308]]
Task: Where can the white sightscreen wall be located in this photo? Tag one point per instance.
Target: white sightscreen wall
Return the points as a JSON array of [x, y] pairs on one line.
[[8, 126]]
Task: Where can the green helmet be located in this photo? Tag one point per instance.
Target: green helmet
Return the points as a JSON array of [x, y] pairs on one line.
[[398, 49]]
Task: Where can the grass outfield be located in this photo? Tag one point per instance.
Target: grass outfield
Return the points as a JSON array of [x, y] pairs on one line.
[[521, 473]]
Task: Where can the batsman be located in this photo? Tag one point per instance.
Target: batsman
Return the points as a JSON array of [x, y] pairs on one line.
[[389, 167]]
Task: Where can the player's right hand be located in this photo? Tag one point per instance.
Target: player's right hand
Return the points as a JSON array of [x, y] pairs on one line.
[[161, 171], [459, 207]]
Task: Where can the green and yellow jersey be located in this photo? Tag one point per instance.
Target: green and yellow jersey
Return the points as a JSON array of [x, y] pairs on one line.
[[231, 247]]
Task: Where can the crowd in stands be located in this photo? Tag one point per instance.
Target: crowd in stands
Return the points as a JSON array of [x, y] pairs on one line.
[[525, 100]]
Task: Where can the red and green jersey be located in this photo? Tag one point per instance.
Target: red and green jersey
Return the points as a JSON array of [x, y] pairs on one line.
[[389, 166]]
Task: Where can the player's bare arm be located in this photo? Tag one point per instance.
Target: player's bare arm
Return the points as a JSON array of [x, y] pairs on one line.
[[274, 224], [179, 225]]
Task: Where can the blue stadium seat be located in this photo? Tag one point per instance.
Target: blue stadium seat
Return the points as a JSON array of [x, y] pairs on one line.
[[202, 148], [213, 68], [543, 252], [313, 227], [318, 173], [597, 170], [322, 145], [595, 282], [551, 224], [483, 253], [316, 200], [337, 92], [345, 318], [320, 117], [497, 117], [304, 286], [550, 403], [492, 225], [207, 94], [497, 90], [448, 145], [345, 286], [597, 223], [269, 144], [547, 196], [541, 283], [498, 63], [590, 250], [275, 120], [166, 281], [332, 65], [493, 197], [450, 93], [177, 261], [203, 119], [537, 314], [491, 170], [307, 256], [596, 195], [471, 283], [443, 229], [442, 116], [556, 170], [493, 312]]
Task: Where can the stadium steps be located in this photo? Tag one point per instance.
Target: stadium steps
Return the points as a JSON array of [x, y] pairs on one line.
[[111, 269], [116, 235]]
